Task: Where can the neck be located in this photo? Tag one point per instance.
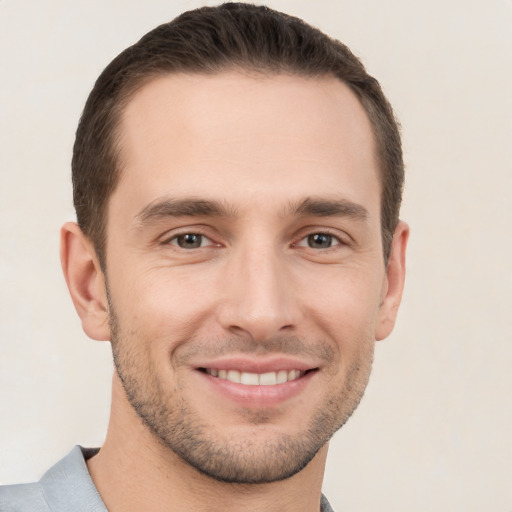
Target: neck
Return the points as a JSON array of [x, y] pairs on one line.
[[135, 472]]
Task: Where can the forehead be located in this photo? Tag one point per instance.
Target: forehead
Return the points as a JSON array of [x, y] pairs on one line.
[[249, 136]]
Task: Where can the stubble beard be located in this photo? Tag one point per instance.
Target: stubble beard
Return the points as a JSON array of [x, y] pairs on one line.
[[181, 429]]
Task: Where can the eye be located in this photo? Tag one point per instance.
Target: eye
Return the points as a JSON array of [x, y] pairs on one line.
[[319, 241], [190, 241]]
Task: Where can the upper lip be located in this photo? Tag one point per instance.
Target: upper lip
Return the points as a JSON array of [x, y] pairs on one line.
[[244, 364]]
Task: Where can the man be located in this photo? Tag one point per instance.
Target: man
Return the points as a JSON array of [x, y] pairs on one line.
[[237, 181]]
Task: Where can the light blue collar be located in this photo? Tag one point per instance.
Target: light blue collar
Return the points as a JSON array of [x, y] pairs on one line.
[[68, 486]]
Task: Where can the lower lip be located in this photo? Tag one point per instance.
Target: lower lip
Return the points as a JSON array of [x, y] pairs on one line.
[[258, 396]]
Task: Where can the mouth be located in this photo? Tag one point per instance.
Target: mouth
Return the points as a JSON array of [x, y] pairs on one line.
[[257, 379], [257, 382]]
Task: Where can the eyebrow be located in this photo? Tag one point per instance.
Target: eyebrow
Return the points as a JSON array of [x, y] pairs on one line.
[[329, 208], [192, 207], [187, 207]]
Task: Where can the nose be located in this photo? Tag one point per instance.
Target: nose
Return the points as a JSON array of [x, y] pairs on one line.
[[259, 298]]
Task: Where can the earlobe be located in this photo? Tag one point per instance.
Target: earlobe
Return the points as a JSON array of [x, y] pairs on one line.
[[85, 281], [394, 282]]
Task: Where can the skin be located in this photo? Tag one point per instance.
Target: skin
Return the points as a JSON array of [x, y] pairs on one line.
[[232, 159]]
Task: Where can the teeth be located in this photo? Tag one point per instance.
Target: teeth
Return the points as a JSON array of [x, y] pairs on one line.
[[256, 379], [268, 379], [250, 379], [282, 376], [233, 376]]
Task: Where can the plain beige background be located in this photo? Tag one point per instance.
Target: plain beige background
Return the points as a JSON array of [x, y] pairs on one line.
[[434, 431]]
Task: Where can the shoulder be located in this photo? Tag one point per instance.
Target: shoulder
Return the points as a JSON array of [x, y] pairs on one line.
[[22, 498], [65, 487]]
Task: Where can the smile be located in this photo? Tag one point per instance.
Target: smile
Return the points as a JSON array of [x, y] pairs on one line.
[[255, 379]]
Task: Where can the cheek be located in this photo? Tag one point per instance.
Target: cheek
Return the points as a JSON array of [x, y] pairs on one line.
[[350, 301], [163, 302], [347, 314]]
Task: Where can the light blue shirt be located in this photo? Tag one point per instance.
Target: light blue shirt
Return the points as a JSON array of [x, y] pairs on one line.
[[66, 487]]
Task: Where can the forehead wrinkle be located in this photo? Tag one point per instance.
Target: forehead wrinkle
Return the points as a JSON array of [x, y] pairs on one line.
[[165, 207], [324, 207]]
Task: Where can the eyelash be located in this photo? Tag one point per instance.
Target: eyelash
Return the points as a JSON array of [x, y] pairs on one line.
[[174, 240], [334, 240]]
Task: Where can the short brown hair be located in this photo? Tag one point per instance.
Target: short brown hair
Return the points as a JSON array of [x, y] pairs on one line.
[[209, 40]]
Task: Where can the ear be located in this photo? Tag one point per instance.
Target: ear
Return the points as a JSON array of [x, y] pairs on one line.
[[85, 281], [393, 283]]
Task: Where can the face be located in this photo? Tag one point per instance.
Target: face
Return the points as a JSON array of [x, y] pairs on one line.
[[246, 281]]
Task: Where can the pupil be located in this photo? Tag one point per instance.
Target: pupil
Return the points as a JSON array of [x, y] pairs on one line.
[[189, 241], [320, 240]]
